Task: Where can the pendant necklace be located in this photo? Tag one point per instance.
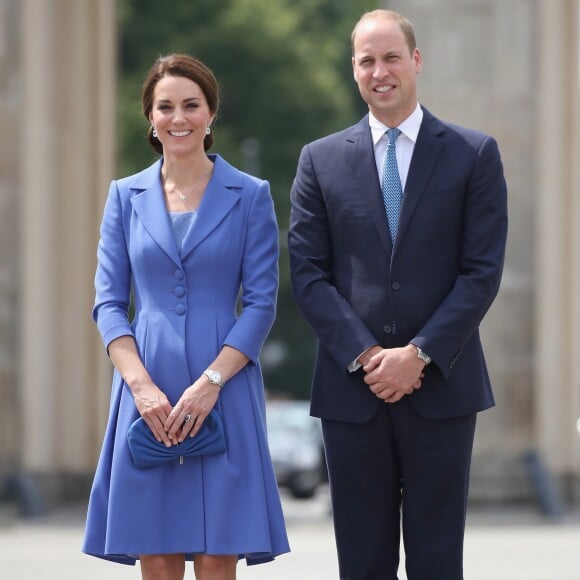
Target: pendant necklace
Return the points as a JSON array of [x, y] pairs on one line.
[[183, 197]]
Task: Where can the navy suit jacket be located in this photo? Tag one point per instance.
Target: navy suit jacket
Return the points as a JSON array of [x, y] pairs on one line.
[[434, 286]]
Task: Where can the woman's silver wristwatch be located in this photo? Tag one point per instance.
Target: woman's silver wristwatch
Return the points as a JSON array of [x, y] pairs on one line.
[[215, 377]]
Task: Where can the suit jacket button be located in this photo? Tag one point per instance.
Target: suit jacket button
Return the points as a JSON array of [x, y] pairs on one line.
[[178, 275], [179, 291], [180, 309], [388, 328], [395, 286]]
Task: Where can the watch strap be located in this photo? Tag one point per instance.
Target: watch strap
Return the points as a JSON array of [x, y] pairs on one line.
[[423, 355]]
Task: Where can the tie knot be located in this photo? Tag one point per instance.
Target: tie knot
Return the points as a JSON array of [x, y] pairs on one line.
[[393, 135]]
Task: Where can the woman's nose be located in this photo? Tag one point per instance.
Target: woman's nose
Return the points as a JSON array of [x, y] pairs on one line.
[[178, 116]]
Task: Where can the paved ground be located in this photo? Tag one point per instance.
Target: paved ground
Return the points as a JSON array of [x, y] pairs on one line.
[[507, 544]]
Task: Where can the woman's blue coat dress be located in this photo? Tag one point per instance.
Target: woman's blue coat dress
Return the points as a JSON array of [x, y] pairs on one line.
[[185, 312]]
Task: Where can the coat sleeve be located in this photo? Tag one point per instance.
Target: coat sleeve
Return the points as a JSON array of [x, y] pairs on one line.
[[340, 330], [259, 276], [113, 275], [481, 263]]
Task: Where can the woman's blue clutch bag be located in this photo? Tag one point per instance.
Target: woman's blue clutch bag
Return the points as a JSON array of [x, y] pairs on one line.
[[147, 452]]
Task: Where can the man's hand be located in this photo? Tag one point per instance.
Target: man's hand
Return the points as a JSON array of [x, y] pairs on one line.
[[392, 373]]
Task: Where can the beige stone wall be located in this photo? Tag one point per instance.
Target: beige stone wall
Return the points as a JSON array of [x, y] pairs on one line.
[[57, 97], [510, 68]]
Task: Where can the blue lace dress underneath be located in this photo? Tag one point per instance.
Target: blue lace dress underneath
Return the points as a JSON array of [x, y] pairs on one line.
[[181, 223]]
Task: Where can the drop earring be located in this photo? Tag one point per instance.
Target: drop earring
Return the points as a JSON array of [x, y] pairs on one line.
[[154, 133]]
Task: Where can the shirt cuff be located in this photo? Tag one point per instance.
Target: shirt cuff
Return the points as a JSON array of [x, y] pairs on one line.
[[355, 365]]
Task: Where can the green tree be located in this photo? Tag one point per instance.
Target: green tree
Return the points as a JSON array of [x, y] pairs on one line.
[[285, 75]]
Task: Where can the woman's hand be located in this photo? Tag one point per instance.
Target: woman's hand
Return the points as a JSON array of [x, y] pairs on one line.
[[154, 407], [150, 400], [190, 411]]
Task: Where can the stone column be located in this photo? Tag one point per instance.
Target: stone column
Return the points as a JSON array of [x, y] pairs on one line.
[[557, 353], [67, 145]]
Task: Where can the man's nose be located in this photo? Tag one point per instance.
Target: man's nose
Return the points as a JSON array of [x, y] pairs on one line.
[[381, 70]]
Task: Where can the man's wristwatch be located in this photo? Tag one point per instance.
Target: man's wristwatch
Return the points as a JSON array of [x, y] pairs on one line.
[[423, 355], [215, 377]]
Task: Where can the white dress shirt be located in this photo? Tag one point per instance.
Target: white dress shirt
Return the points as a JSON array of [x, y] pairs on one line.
[[405, 143], [405, 146]]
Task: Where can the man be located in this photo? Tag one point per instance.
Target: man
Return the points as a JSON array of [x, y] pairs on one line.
[[395, 282]]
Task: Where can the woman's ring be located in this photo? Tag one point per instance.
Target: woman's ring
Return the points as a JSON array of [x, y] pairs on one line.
[[187, 418]]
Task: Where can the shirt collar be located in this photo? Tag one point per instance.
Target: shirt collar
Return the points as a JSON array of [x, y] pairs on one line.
[[409, 127]]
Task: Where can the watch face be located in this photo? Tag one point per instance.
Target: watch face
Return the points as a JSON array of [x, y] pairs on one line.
[[214, 377]]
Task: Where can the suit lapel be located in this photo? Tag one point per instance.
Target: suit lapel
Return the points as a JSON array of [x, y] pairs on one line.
[[220, 197], [363, 169], [426, 155], [149, 205]]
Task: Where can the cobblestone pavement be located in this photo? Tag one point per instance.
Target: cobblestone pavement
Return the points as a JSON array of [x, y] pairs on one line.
[[500, 544]]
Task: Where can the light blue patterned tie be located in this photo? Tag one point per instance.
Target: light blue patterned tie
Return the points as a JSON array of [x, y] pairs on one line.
[[391, 184]]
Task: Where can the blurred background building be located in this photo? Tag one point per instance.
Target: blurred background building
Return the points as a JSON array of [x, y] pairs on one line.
[[508, 67], [57, 104]]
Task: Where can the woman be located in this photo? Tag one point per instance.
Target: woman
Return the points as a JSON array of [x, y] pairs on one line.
[[184, 236]]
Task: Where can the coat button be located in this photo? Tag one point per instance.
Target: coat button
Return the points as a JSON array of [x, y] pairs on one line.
[[395, 286], [388, 328], [178, 275], [179, 291], [180, 309]]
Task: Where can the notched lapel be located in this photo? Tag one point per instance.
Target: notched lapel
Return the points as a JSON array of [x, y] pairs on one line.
[[221, 196], [149, 205], [428, 149], [363, 169], [218, 201]]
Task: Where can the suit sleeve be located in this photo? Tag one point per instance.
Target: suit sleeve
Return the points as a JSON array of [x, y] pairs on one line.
[[481, 263], [113, 275], [259, 277], [338, 327]]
